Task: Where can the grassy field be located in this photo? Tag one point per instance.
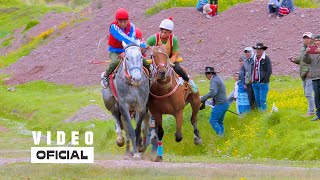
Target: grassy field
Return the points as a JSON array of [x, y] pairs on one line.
[[279, 139], [285, 135], [223, 5]]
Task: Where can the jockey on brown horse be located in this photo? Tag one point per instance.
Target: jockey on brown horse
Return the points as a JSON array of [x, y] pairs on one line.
[[166, 90], [165, 37]]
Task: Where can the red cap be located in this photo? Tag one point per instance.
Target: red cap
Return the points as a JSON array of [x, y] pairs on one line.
[[122, 14], [138, 33]]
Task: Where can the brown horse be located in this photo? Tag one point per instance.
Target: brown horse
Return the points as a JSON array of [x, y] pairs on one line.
[[169, 96]]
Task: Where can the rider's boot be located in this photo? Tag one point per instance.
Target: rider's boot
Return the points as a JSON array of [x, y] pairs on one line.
[[193, 86]]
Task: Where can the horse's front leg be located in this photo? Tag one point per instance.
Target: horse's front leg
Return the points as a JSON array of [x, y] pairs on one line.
[[129, 129], [138, 129], [160, 133], [145, 127], [179, 120], [120, 139]]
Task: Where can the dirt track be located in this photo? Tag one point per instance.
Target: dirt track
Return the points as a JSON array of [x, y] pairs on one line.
[[232, 170]]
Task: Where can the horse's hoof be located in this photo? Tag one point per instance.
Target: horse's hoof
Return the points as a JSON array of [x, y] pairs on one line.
[[197, 141], [178, 137], [158, 159], [120, 142], [141, 149], [136, 156]]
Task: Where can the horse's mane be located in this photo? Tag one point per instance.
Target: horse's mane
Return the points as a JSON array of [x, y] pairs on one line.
[[160, 48]]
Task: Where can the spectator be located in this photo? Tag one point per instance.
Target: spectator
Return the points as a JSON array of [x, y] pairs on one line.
[[261, 76], [234, 93], [218, 93], [274, 6], [239, 94], [248, 66], [216, 5], [314, 61], [286, 7], [204, 7], [304, 71]]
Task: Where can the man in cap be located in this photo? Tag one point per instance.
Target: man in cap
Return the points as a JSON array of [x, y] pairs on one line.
[[248, 66], [262, 71], [165, 37], [120, 30], [304, 71], [218, 94], [314, 61]]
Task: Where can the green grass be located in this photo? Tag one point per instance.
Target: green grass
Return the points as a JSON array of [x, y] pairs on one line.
[[7, 42], [15, 14], [282, 135], [24, 50], [223, 5], [31, 24]]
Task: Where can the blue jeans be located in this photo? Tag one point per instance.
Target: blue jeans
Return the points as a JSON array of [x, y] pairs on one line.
[[316, 88], [217, 117], [260, 91]]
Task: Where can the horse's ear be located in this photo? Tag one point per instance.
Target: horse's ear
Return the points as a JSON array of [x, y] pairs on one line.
[[124, 44]]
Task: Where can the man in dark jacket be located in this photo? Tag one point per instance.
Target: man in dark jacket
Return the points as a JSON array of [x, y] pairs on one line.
[[262, 71], [314, 60], [218, 94], [304, 71]]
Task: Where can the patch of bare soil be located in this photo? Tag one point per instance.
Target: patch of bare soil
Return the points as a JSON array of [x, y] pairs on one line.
[[89, 113], [218, 42], [204, 170], [3, 129]]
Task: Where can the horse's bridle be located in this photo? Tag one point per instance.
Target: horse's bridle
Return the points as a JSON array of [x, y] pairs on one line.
[[126, 70], [161, 64]]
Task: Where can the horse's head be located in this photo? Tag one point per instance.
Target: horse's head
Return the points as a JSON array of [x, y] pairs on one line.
[[161, 61], [133, 63]]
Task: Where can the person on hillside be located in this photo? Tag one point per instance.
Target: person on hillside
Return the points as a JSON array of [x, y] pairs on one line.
[[120, 30], [286, 7], [204, 7], [220, 102], [304, 71], [273, 7], [216, 5], [262, 71], [165, 37], [314, 74], [248, 67]]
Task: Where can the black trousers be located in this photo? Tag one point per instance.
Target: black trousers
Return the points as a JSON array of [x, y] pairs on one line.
[[316, 89], [177, 68], [253, 104]]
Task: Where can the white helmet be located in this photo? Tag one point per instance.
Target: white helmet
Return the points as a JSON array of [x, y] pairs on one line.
[[167, 24]]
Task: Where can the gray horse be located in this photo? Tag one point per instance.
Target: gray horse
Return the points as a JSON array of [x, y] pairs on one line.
[[132, 87]]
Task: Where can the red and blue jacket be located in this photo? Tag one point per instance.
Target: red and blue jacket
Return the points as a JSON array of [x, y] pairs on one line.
[[117, 35]]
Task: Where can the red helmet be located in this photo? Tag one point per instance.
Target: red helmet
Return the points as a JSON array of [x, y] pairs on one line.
[[122, 14], [138, 33]]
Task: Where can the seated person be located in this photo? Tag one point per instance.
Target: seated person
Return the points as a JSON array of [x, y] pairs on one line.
[[274, 6], [204, 7], [286, 7]]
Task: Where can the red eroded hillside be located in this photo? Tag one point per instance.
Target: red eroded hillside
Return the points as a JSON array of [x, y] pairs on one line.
[[218, 41]]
